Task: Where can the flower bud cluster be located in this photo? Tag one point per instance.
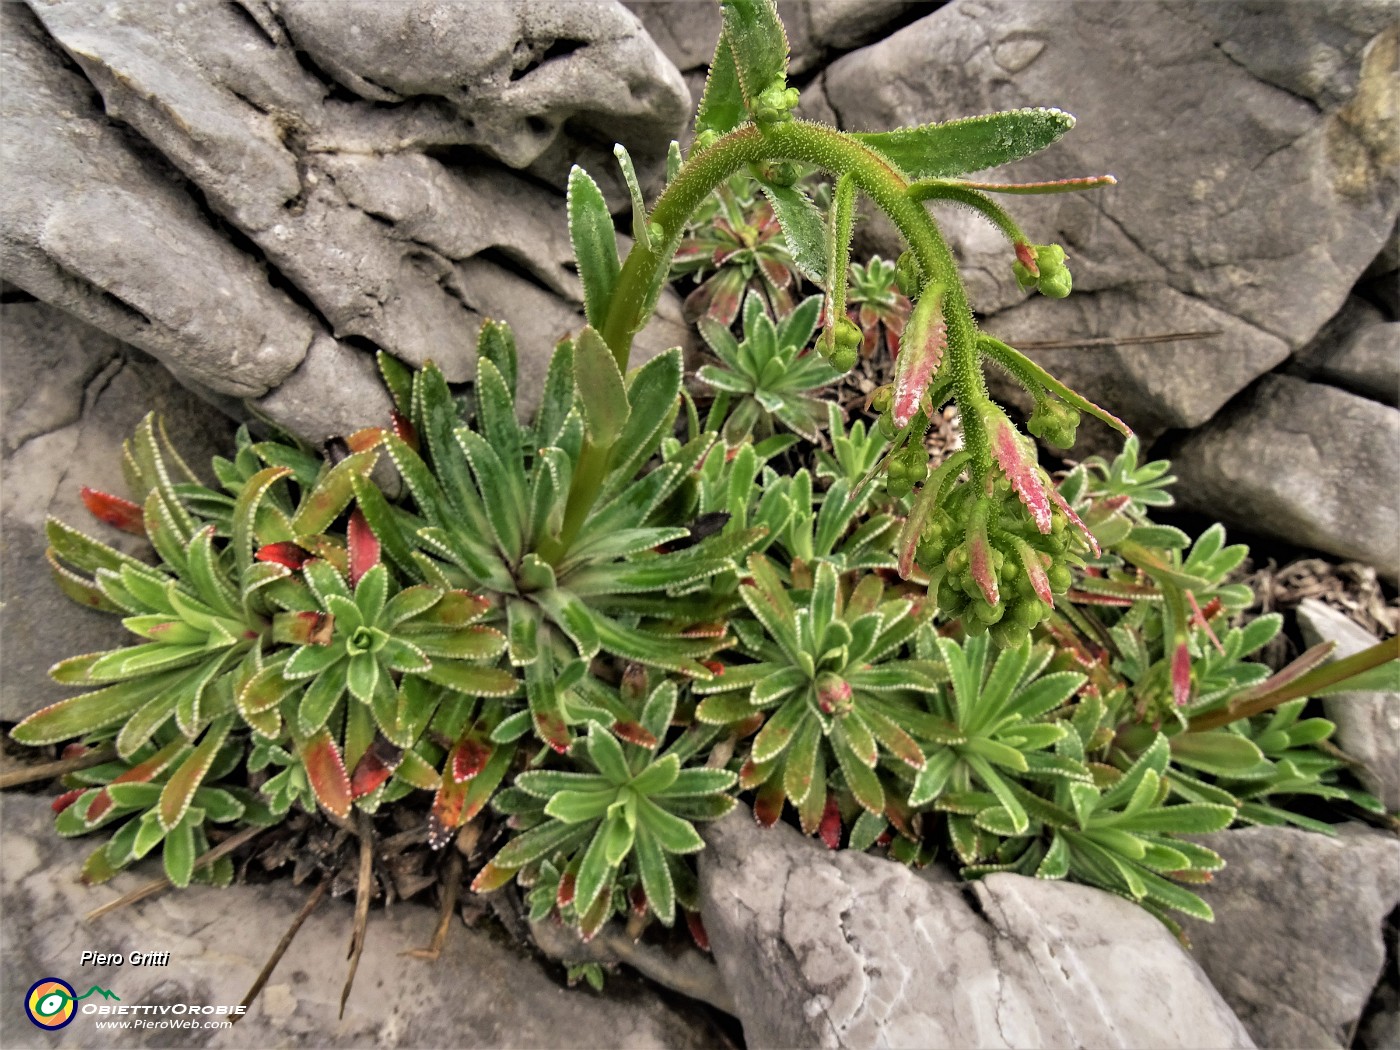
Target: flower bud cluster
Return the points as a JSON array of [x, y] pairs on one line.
[[1042, 267], [1054, 422], [990, 567], [775, 103], [847, 337]]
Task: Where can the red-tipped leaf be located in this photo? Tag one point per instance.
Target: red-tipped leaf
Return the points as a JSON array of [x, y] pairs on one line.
[[921, 348], [325, 771], [286, 553], [1035, 572], [696, 925], [447, 814], [979, 563], [1181, 674], [362, 546], [375, 766], [768, 803], [113, 510], [634, 733], [1016, 457], [468, 758]]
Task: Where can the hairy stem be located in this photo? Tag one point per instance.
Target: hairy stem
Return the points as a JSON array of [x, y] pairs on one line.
[[833, 152]]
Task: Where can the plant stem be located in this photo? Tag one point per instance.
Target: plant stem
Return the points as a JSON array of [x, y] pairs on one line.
[[840, 155]]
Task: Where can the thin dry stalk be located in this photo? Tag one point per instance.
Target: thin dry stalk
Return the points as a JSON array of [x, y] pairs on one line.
[[282, 945], [60, 767], [362, 895], [158, 885]]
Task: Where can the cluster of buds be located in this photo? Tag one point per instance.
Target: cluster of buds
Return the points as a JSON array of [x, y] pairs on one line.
[[775, 103], [1054, 422], [1042, 267], [840, 344], [907, 467], [992, 569]]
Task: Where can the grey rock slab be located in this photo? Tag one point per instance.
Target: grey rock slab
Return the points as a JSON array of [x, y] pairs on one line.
[[514, 75], [1234, 191], [685, 30], [71, 396], [1358, 350], [479, 993], [849, 950], [845, 24], [90, 224], [1304, 462], [1297, 944], [1368, 724], [321, 170]]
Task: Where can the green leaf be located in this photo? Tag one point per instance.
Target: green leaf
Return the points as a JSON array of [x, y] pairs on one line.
[[332, 494], [496, 343], [673, 834], [504, 506], [958, 147], [179, 851], [595, 244], [803, 228], [576, 807], [722, 104], [656, 875], [91, 712], [600, 388], [543, 841], [653, 393], [1192, 818], [758, 45], [180, 788], [606, 754], [594, 872], [1220, 752]]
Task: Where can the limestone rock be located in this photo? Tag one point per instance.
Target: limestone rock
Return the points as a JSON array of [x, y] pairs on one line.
[[253, 179], [1297, 944], [1307, 463], [845, 24], [1358, 350], [1368, 724], [91, 225], [478, 993], [71, 396], [849, 950], [1240, 184]]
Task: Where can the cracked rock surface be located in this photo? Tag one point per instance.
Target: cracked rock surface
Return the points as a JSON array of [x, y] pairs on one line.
[[1298, 939], [1307, 463], [250, 190], [71, 396], [848, 950], [478, 993], [1256, 152]]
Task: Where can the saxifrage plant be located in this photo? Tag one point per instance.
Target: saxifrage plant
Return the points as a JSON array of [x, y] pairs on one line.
[[485, 636]]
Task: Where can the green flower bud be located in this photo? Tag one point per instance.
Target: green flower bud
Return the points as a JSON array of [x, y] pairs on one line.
[[1007, 633], [1053, 278], [1054, 422], [843, 358], [989, 614], [1059, 576], [704, 141], [775, 102], [881, 400]]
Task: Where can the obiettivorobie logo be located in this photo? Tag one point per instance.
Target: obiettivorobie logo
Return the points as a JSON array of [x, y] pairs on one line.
[[52, 1004]]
